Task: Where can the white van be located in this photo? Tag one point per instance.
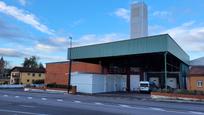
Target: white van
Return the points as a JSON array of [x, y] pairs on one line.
[[146, 86]]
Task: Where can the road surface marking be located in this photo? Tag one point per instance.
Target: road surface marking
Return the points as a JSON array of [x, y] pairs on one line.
[[16, 96], [44, 99], [21, 112], [121, 105], [77, 101], [179, 112], [97, 103], [27, 106], [30, 97], [59, 100], [5, 95], [157, 109], [196, 112]]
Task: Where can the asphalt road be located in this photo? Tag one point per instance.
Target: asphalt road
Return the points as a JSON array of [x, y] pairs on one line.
[[24, 103]]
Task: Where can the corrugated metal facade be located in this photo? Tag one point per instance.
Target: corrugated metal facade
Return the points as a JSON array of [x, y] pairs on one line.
[[151, 44]]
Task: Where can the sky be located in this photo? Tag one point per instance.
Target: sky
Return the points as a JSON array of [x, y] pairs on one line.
[[42, 27]]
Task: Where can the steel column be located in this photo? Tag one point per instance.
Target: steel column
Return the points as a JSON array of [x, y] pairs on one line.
[[165, 69]]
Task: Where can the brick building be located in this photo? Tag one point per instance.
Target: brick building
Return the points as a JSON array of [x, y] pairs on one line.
[[57, 72], [196, 78]]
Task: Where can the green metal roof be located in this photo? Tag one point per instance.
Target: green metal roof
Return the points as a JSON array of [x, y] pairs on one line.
[[150, 44]]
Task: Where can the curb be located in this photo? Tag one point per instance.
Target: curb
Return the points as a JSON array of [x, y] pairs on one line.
[[44, 91], [179, 101]]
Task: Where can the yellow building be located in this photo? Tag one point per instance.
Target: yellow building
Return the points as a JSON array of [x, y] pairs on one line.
[[22, 75]]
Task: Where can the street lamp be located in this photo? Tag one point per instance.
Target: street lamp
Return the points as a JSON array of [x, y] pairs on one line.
[[70, 64]]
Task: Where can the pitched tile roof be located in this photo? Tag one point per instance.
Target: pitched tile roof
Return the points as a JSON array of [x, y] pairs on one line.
[[197, 70], [24, 69]]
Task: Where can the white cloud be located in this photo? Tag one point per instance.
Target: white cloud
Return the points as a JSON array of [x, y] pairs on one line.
[[123, 13], [162, 13], [89, 39], [25, 17], [61, 44], [11, 52], [59, 40], [77, 23], [52, 58], [155, 29], [46, 48], [22, 2], [189, 37], [23, 52]]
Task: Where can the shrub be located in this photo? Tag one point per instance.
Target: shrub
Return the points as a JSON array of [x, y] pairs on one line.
[[181, 91], [39, 82], [54, 85]]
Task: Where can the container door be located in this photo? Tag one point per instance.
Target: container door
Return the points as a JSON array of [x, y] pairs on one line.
[[155, 80], [171, 82], [134, 82]]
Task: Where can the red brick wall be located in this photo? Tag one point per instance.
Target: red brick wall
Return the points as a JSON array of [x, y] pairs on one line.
[[193, 82], [58, 72]]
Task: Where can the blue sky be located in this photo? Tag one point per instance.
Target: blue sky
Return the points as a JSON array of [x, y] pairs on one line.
[[42, 27]]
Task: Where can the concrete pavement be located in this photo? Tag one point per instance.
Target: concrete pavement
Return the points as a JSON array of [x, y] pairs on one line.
[[19, 102]]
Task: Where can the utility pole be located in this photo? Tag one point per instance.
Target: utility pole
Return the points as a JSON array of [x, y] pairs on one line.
[[70, 64]]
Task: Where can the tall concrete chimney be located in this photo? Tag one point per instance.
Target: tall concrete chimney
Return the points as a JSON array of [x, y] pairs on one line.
[[138, 20]]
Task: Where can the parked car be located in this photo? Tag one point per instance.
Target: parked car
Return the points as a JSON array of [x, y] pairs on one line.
[[146, 86]]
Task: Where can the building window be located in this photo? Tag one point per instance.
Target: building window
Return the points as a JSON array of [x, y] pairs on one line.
[[39, 74], [33, 74], [33, 81], [199, 83], [28, 74], [28, 80]]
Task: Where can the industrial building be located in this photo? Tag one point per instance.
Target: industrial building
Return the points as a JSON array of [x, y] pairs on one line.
[[124, 63], [121, 65]]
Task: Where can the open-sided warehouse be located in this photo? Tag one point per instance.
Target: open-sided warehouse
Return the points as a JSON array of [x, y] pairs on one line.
[[155, 58]]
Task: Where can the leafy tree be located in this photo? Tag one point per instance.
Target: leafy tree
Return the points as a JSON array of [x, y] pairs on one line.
[[4, 64], [32, 62], [40, 66], [4, 68]]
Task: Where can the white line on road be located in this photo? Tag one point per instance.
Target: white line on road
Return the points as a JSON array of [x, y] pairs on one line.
[[196, 112], [157, 109], [27, 106], [178, 112], [44, 99], [5, 95], [21, 112], [30, 97], [122, 105], [59, 100], [77, 101], [16, 96], [98, 103]]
